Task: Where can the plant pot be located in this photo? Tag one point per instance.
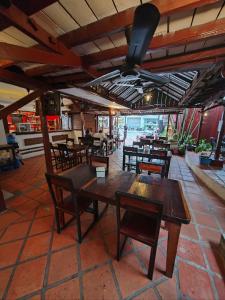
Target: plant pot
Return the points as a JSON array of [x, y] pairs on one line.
[[204, 160]]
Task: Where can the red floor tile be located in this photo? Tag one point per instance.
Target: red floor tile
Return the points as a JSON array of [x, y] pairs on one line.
[[195, 283], [66, 238], [44, 211], [205, 219], [215, 261], [4, 279], [189, 230], [7, 218], [27, 278], [209, 235], [129, 274], [63, 264], [191, 251], [15, 231], [68, 291], [108, 223], [42, 225], [27, 206], [220, 287], [111, 242], [167, 289], [147, 295], [35, 246], [93, 252], [15, 202], [9, 253], [34, 194], [105, 289]]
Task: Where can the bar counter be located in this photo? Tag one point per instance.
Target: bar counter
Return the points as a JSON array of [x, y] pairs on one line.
[[31, 143]]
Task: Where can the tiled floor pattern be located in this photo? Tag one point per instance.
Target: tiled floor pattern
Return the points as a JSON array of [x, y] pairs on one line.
[[37, 263]]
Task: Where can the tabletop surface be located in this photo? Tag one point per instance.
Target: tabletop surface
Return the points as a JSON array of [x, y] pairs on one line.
[[167, 191]]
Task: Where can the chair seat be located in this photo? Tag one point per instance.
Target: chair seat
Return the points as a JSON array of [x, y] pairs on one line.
[[68, 204], [139, 227]]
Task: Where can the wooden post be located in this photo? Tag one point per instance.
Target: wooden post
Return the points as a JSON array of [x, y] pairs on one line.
[[200, 126], [82, 123], [2, 202], [176, 122], [5, 124], [220, 137], [110, 122], [168, 124], [44, 130]]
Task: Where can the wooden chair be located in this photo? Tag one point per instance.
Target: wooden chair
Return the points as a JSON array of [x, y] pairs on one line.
[[70, 141], [132, 157], [56, 162], [141, 221], [151, 168], [67, 157], [65, 200], [139, 144], [99, 161]]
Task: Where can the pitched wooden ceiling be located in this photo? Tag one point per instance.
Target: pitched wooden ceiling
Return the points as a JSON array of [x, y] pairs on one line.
[[90, 35]]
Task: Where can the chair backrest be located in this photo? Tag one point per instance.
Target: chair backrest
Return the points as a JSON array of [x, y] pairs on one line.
[[58, 186], [155, 152], [63, 150], [69, 140], [139, 144], [130, 149], [150, 168], [81, 140], [139, 205], [146, 142], [99, 161]]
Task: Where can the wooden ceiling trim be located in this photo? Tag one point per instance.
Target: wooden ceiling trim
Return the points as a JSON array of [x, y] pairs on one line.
[[123, 19], [20, 80], [170, 40]]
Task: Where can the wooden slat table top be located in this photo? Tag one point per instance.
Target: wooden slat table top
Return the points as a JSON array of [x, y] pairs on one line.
[[167, 191]]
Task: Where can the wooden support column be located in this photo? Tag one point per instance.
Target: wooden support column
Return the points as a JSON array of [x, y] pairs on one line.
[[200, 126], [82, 123], [176, 122], [46, 142], [220, 137], [168, 124], [110, 122], [5, 124], [2, 202]]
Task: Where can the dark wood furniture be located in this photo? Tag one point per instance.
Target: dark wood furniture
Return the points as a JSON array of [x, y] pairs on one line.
[[70, 141], [131, 154], [140, 154], [2, 202], [141, 221], [150, 168], [10, 162], [99, 161], [66, 200], [56, 160], [80, 152], [67, 157]]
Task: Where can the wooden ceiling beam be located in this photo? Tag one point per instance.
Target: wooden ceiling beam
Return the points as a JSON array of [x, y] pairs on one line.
[[20, 103], [21, 80], [123, 19], [69, 78], [23, 54], [181, 37]]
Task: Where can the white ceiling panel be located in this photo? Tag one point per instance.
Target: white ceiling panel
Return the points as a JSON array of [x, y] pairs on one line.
[[118, 61], [124, 4], [194, 46], [86, 48], [46, 23], [104, 43], [180, 21], [5, 38], [222, 13], [176, 50], [159, 53], [215, 41], [162, 27], [19, 35], [59, 15], [119, 39], [206, 14], [102, 8], [80, 11]]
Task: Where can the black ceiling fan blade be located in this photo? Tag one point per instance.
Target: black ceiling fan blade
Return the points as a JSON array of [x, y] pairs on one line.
[[153, 77], [146, 19], [103, 78]]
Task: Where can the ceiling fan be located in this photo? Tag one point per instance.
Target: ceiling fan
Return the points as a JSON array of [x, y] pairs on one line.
[[146, 20]]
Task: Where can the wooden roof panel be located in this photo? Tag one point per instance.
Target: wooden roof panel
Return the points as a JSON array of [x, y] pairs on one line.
[[6, 38], [122, 4], [194, 46], [159, 53], [19, 35], [207, 13], [176, 50], [104, 43], [102, 8], [86, 48], [162, 27], [214, 42], [80, 11], [57, 13], [180, 21], [118, 39]]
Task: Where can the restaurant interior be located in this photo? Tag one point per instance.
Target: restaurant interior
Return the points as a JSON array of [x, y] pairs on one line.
[[112, 149]]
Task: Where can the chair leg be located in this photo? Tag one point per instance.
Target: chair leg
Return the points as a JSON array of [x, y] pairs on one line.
[[118, 246], [152, 262], [79, 234], [95, 206], [57, 221]]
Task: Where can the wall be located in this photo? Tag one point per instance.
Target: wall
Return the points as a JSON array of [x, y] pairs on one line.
[[2, 134], [89, 120]]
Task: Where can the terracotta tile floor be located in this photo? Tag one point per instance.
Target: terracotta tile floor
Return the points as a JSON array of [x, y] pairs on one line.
[[37, 263]]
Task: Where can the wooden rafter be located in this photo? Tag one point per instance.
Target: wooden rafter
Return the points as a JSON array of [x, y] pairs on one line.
[[173, 39], [123, 19]]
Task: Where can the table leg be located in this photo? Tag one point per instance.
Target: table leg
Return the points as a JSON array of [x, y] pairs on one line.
[[123, 162], [2, 202], [173, 238]]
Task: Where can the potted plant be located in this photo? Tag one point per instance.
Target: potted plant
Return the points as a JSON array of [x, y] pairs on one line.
[[181, 149], [204, 149], [190, 143]]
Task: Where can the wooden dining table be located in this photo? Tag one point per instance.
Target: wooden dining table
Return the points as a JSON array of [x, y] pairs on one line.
[[167, 191]]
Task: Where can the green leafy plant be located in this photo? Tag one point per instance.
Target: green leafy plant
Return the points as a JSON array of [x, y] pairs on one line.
[[181, 149], [203, 146]]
